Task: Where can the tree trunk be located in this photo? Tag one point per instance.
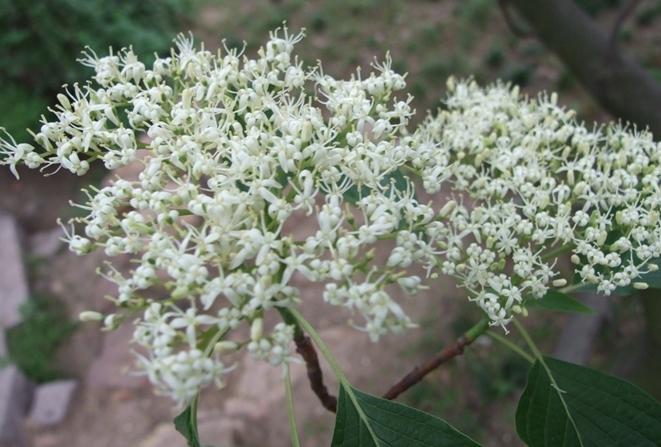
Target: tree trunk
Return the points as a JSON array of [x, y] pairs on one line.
[[614, 79]]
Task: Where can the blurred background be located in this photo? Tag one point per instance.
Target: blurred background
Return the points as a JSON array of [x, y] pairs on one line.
[[430, 40]]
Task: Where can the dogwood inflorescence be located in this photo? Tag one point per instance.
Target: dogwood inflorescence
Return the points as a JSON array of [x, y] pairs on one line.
[[234, 151]]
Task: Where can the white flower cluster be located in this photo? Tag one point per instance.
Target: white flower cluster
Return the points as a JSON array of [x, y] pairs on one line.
[[234, 150], [231, 149], [533, 183]]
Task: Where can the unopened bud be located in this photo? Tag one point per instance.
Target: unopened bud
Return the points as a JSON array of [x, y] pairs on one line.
[[90, 315], [447, 208], [451, 83], [561, 282], [570, 177], [64, 101], [575, 259], [257, 329], [225, 347], [640, 285]]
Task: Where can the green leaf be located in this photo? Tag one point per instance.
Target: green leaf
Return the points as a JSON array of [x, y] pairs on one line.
[[186, 424], [653, 279], [396, 178], [566, 405], [369, 421], [555, 300]]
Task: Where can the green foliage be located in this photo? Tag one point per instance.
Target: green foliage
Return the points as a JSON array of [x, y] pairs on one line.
[[372, 421], [436, 69], [567, 405], [497, 377], [475, 12], [318, 23], [656, 73], [519, 74], [186, 424], [41, 40], [34, 342], [652, 279], [495, 57], [397, 179], [594, 7], [649, 13], [555, 300], [20, 108]]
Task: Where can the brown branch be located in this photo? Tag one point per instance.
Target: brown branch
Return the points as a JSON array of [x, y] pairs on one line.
[[510, 20], [452, 351], [306, 349], [617, 81], [622, 17]]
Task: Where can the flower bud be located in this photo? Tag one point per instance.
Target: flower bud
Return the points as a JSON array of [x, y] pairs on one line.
[[90, 315], [410, 284], [447, 208], [225, 347], [561, 282], [64, 101], [257, 329]]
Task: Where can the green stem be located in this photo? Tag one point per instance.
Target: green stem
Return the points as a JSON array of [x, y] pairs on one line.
[[474, 332], [293, 316], [295, 442], [193, 416], [208, 349], [504, 341], [531, 344]]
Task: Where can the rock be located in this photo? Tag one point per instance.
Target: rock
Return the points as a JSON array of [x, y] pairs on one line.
[[51, 403], [45, 440], [37, 200], [15, 393], [111, 370], [164, 435], [46, 243], [222, 431], [13, 285], [218, 431]]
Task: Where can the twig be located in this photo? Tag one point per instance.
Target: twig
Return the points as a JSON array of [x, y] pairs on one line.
[[618, 82], [306, 349], [510, 21], [622, 17], [452, 351]]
